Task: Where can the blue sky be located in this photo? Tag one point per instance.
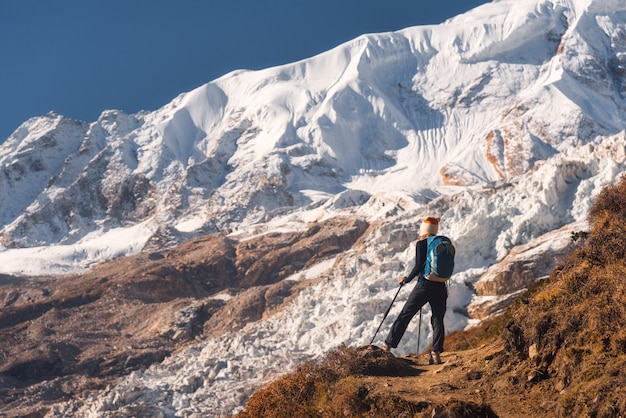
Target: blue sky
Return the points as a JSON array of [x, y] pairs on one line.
[[81, 57]]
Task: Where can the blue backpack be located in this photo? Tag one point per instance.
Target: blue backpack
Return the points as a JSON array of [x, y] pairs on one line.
[[439, 259]]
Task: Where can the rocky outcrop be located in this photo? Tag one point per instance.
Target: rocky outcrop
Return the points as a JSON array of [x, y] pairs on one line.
[[503, 282]]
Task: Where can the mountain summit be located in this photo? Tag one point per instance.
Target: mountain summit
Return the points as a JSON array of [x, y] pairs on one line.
[[484, 97], [504, 121]]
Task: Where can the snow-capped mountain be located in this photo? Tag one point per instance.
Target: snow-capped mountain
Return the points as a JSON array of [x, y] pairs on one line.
[[505, 121]]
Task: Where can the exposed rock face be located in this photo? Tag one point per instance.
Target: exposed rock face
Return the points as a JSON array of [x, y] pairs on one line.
[[498, 287], [454, 175], [61, 337]]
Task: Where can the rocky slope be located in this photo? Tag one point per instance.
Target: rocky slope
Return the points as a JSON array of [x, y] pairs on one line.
[[64, 337]]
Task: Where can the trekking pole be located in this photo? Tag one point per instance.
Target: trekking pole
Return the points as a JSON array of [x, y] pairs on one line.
[[386, 313], [419, 332]]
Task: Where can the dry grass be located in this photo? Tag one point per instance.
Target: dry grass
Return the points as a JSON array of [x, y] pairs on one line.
[[488, 330], [576, 321], [324, 388]]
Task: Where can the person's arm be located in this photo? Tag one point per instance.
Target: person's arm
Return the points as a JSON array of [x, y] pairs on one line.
[[420, 261]]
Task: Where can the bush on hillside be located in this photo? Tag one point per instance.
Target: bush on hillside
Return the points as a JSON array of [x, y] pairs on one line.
[[321, 388], [573, 328]]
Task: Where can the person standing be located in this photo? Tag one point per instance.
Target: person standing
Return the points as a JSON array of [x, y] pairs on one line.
[[425, 291]]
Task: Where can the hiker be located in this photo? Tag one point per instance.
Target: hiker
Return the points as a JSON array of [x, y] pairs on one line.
[[433, 292]]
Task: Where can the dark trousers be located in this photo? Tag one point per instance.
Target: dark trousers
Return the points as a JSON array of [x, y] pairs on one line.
[[433, 293]]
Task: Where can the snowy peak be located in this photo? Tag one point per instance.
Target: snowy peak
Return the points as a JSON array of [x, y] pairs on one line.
[[484, 97], [32, 157]]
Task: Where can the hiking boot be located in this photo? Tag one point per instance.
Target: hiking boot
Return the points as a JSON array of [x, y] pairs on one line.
[[434, 358]]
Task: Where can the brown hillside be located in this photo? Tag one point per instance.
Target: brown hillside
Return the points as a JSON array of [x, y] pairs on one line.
[[571, 332], [559, 351], [61, 338]]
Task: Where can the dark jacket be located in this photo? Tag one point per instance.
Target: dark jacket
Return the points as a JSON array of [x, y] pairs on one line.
[[420, 259]]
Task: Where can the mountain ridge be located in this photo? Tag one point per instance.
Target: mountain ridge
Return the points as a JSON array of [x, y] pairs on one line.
[[299, 125]]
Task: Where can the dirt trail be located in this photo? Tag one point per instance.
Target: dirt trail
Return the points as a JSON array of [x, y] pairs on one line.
[[476, 375]]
